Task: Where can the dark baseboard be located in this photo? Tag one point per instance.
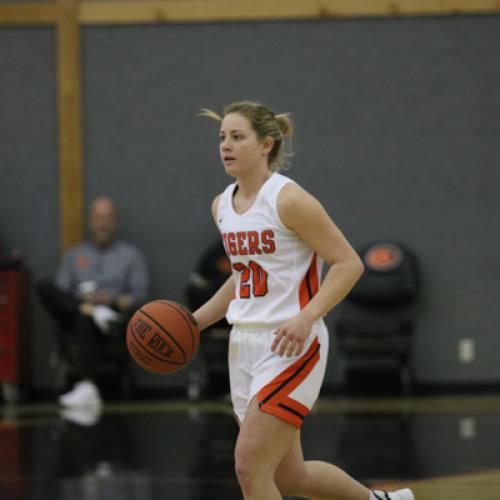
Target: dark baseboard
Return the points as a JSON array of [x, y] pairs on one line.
[[37, 395], [417, 390], [460, 388]]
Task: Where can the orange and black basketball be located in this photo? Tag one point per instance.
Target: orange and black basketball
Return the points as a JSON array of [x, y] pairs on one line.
[[162, 336]]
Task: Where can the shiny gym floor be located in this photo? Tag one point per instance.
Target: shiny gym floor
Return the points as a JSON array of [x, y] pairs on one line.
[[443, 447]]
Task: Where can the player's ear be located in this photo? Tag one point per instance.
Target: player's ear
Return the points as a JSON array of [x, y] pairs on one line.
[[267, 145]]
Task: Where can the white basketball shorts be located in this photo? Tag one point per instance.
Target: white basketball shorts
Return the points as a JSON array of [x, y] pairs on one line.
[[285, 387]]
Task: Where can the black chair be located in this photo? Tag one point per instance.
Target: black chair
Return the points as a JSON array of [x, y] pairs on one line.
[[113, 369], [375, 324], [112, 364]]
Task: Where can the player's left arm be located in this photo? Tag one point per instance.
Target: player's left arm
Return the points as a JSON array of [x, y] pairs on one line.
[[305, 215]]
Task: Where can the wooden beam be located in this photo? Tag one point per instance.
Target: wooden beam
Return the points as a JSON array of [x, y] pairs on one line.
[[70, 128], [26, 14], [409, 7], [170, 11], [164, 11]]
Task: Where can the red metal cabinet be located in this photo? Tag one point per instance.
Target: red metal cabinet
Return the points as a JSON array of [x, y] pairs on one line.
[[14, 320]]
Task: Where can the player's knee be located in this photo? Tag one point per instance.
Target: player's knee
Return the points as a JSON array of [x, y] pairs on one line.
[[248, 465], [246, 475], [244, 464]]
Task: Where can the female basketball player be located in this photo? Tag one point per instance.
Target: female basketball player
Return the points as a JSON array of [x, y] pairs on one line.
[[277, 236]]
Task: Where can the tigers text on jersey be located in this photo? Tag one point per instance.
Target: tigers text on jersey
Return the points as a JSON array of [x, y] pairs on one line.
[[275, 272]]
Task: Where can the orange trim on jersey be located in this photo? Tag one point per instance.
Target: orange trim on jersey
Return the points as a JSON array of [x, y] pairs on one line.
[[273, 397], [309, 285]]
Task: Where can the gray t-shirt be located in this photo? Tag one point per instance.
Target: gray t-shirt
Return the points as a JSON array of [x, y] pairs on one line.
[[119, 269]]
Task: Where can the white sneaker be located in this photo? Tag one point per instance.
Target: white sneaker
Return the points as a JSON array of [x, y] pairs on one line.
[[85, 393], [405, 494]]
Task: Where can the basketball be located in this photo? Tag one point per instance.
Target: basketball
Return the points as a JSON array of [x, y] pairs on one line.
[[162, 336]]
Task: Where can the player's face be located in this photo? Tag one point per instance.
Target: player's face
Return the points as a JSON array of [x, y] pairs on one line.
[[240, 149]]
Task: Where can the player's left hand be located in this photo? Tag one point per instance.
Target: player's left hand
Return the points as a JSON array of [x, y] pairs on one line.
[[291, 337]]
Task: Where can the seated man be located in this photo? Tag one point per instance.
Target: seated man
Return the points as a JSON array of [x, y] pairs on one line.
[[98, 285]]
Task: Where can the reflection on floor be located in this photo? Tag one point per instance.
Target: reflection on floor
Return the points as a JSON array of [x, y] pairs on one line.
[[445, 448]]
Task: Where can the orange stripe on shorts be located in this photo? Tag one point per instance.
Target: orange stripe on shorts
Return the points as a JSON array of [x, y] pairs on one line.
[[273, 397]]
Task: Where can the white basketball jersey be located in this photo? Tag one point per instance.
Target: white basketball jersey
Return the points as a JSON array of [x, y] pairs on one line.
[[275, 272]]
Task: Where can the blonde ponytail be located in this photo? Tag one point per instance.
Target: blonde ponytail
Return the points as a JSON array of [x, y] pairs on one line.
[[285, 125]]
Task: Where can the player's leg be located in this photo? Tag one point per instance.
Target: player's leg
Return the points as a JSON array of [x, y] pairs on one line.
[[87, 337], [262, 443], [270, 464], [318, 480], [314, 479], [271, 421]]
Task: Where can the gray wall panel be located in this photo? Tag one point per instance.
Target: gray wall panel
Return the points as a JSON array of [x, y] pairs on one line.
[[29, 186], [397, 134]]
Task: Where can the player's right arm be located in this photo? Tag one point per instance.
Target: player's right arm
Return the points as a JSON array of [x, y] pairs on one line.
[[216, 307]]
